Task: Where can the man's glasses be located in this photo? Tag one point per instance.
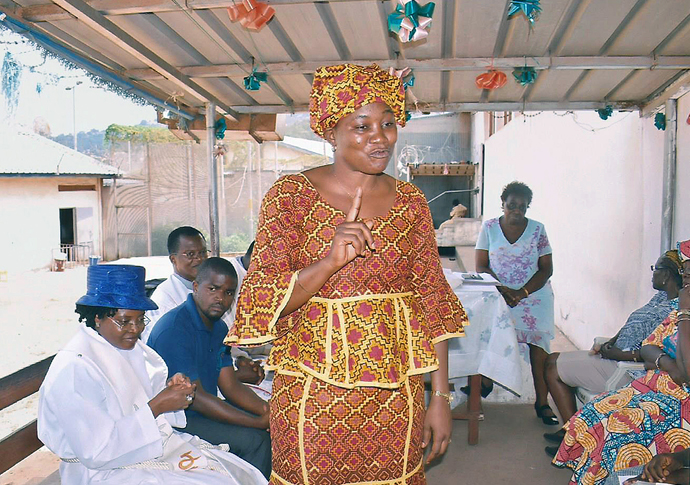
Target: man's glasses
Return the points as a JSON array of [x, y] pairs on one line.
[[192, 255], [139, 323], [661, 268]]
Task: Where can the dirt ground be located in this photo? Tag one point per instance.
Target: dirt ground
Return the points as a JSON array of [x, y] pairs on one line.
[[37, 314], [37, 318]]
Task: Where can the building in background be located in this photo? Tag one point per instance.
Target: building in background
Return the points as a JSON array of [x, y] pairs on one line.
[[50, 202]]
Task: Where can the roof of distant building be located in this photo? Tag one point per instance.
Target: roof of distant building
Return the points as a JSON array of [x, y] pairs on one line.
[[23, 153], [311, 147]]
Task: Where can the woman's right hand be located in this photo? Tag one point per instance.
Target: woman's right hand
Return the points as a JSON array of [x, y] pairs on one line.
[[352, 238], [172, 398], [660, 467]]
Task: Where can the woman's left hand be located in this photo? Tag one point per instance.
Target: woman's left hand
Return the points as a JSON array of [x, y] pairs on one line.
[[179, 378], [512, 297], [438, 425]]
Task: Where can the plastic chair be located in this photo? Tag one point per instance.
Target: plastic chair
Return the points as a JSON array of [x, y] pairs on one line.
[[617, 379]]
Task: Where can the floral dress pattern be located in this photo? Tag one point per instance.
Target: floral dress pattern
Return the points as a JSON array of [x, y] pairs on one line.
[[515, 264], [626, 428]]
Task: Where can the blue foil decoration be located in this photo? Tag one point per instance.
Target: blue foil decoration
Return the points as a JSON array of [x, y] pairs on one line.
[[605, 113], [254, 80], [525, 75], [530, 8], [660, 121], [408, 116], [405, 20], [220, 128]]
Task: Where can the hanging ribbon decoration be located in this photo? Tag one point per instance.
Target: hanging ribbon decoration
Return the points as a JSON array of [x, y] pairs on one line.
[[660, 121], [525, 75], [530, 8], [254, 80], [605, 113], [251, 14], [410, 21], [220, 128], [407, 77], [491, 80]]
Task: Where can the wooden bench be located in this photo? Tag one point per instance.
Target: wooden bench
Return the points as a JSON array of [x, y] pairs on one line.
[[14, 388]]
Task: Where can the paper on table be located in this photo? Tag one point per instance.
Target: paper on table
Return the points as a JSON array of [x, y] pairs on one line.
[[628, 477], [479, 278]]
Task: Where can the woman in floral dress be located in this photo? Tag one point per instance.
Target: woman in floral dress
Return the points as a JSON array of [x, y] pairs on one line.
[[346, 282], [626, 428], [516, 251]]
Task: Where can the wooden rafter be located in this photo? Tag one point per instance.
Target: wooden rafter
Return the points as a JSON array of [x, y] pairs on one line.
[[50, 12], [100, 24], [475, 106], [455, 64]]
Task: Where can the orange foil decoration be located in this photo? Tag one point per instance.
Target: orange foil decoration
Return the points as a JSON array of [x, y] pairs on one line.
[[251, 15], [491, 80]]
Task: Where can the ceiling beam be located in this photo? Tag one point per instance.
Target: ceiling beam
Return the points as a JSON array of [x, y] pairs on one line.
[[475, 106], [613, 38], [447, 45], [452, 64], [677, 86], [331, 25], [52, 42], [96, 21], [51, 12]]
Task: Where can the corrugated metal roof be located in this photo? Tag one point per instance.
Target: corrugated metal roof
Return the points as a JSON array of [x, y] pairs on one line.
[[30, 154], [588, 53]]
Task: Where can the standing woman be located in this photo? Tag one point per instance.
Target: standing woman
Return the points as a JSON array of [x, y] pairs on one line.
[[516, 251], [346, 281]]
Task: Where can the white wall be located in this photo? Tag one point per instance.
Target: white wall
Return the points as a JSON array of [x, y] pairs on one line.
[[682, 210], [599, 195], [30, 219]]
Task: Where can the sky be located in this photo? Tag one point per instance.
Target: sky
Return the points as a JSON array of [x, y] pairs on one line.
[[95, 108]]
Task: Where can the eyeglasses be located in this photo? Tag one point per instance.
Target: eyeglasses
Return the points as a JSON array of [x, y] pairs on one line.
[[139, 323], [512, 206], [661, 268], [192, 255]]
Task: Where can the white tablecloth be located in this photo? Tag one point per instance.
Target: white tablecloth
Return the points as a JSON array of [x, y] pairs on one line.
[[490, 345]]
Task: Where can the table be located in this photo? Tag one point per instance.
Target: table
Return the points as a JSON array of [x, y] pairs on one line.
[[489, 348]]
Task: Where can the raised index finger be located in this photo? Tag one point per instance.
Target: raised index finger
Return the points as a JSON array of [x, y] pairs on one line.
[[354, 208]]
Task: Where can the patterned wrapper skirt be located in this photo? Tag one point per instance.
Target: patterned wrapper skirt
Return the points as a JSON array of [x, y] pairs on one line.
[[626, 428], [323, 434]]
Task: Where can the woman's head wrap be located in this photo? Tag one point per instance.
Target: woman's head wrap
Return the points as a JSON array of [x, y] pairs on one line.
[[338, 91], [673, 256]]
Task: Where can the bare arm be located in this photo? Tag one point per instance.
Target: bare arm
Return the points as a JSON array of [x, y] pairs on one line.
[[544, 272], [240, 394], [212, 407], [437, 422], [683, 350], [481, 262]]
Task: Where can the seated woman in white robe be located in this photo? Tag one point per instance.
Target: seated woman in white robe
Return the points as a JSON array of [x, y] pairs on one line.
[[106, 409]]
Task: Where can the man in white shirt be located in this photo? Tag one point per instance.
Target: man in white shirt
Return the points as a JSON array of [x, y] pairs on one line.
[[187, 250]]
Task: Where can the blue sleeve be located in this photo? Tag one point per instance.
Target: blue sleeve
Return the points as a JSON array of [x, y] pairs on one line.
[[177, 350], [225, 359]]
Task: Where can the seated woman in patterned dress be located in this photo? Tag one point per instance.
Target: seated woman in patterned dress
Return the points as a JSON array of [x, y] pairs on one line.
[[650, 416]]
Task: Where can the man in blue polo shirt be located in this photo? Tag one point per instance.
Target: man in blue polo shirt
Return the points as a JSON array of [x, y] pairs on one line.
[[190, 340]]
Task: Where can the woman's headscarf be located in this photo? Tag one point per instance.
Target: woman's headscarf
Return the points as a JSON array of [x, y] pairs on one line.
[[673, 256], [684, 251], [340, 90]]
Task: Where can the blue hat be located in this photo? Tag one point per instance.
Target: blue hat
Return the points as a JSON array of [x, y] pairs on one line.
[[116, 286]]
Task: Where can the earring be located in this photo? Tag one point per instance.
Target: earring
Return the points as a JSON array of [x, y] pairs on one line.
[[333, 147]]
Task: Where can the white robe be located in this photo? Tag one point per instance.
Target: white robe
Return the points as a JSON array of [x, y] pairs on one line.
[[93, 412]]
